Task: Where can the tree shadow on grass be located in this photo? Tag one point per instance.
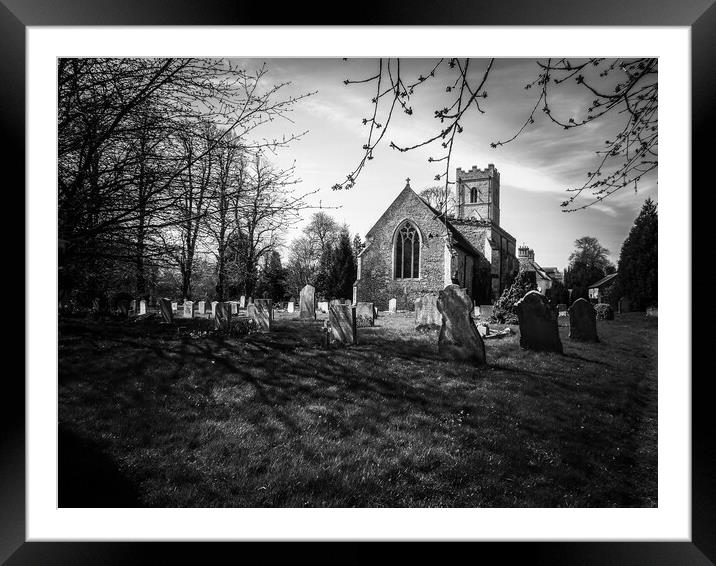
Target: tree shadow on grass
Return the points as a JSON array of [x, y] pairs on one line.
[[87, 477]]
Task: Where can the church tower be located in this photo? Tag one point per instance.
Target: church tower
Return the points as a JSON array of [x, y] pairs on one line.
[[478, 194]]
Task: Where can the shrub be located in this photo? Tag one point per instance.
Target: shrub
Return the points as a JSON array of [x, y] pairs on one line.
[[604, 311], [504, 311], [243, 326]]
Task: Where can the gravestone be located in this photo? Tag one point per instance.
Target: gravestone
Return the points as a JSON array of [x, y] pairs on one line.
[[175, 306], [134, 306], [427, 314], [234, 307], [392, 305], [250, 301], [624, 305], [202, 307], [364, 315], [165, 307], [290, 307], [307, 302], [222, 316], [335, 302], [262, 313], [242, 302], [483, 329], [583, 321], [342, 320], [538, 324], [459, 338], [188, 309], [323, 306], [142, 307], [375, 312], [348, 302], [213, 308]]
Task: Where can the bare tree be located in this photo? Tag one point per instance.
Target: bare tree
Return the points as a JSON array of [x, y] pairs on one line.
[[627, 87]]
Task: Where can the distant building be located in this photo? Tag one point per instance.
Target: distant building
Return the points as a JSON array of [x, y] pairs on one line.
[[598, 291], [413, 249], [542, 277]]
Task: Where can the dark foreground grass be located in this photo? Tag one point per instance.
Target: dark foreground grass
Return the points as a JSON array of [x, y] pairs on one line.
[[153, 417]]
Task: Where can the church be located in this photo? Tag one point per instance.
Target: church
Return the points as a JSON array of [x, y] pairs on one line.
[[414, 249]]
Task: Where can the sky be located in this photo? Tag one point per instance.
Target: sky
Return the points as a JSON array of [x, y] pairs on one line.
[[535, 169]]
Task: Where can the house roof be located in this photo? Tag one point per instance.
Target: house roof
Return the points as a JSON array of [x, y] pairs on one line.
[[602, 281]]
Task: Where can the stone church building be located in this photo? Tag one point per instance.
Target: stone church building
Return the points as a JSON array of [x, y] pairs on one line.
[[413, 249]]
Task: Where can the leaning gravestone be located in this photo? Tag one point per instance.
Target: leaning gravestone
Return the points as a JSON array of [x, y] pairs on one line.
[[364, 314], [262, 313], [427, 314], [188, 309], [342, 319], [459, 338], [307, 304], [392, 305], [290, 307], [222, 317], [165, 307], [242, 302], [583, 321], [538, 324]]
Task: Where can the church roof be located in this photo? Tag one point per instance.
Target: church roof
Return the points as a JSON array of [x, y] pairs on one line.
[[603, 281], [457, 236]]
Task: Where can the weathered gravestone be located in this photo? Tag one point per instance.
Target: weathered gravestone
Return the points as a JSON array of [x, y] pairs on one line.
[[459, 338], [364, 314], [427, 314], [202, 307], [188, 309], [624, 305], [142, 307], [392, 305], [222, 316], [342, 319], [262, 314], [213, 307], [175, 306], [307, 303], [289, 307], [242, 302], [323, 306], [538, 323], [165, 307], [234, 307], [583, 321], [483, 329], [347, 301]]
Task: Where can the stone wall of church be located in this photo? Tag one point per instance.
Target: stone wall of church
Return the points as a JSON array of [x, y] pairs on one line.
[[376, 283]]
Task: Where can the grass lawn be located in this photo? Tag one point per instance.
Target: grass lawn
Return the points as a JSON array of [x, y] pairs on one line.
[[149, 416]]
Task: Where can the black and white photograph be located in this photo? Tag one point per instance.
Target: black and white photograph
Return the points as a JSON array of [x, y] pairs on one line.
[[357, 282]]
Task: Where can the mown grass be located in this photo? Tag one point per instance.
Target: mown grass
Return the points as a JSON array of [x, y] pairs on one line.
[[151, 417]]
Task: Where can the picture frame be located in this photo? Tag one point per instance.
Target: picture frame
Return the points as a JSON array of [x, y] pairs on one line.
[[699, 15]]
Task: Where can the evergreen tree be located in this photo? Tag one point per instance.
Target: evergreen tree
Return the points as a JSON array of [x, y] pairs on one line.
[[588, 263], [324, 275], [343, 267], [504, 311], [638, 260], [272, 280]]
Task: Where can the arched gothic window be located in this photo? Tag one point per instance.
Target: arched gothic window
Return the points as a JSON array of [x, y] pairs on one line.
[[473, 194], [407, 252]]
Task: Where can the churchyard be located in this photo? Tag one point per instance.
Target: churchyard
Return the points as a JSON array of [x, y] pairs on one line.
[[166, 414]]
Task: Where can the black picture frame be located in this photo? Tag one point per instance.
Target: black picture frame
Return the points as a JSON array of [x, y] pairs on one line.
[[699, 15]]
